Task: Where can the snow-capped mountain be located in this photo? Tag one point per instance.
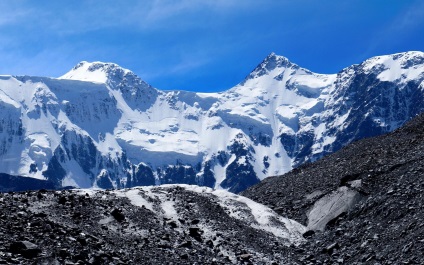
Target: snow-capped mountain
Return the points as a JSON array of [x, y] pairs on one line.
[[100, 125]]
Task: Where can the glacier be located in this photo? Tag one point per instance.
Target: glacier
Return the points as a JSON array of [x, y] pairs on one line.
[[101, 126]]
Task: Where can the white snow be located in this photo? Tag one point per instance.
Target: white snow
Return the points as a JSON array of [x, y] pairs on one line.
[[396, 67], [136, 198], [169, 210], [187, 127], [265, 218], [91, 72], [254, 214], [83, 74], [75, 176]]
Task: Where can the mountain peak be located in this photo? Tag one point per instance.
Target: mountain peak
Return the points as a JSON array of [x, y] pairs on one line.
[[273, 61], [399, 67], [269, 64], [98, 72]]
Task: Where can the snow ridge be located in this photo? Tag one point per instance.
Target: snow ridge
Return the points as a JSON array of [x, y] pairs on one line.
[[100, 125]]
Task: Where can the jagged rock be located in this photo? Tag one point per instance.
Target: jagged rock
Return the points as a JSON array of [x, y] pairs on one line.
[[245, 257], [308, 234], [62, 200], [185, 245], [27, 249], [331, 206], [118, 215], [331, 247], [195, 233]]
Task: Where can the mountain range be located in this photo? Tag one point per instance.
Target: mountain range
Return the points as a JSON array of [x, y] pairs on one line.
[[100, 125]]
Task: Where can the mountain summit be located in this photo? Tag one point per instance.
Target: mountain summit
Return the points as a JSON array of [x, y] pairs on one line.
[[100, 125], [271, 62], [96, 72]]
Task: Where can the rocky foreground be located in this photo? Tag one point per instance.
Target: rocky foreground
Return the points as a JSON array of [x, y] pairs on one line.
[[147, 225], [361, 205]]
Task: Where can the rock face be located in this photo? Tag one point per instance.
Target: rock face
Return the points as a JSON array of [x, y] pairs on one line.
[[148, 225], [362, 204], [331, 206], [100, 125]]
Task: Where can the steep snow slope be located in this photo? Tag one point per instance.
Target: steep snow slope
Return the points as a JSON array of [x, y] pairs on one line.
[[100, 125]]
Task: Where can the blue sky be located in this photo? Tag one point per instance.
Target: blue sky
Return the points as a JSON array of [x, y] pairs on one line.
[[202, 45]]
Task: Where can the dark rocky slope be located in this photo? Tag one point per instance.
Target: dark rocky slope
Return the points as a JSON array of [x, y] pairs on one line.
[[156, 225], [368, 198], [10, 183]]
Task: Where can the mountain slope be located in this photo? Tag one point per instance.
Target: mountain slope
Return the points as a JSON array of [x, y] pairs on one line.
[[100, 125], [363, 203], [9, 183], [145, 225]]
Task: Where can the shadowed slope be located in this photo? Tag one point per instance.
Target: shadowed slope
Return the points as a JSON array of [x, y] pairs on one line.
[[383, 223]]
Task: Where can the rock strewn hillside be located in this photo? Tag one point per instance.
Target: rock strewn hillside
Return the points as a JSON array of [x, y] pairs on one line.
[[381, 225], [157, 225]]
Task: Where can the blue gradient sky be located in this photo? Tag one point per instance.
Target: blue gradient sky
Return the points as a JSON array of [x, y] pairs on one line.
[[202, 45]]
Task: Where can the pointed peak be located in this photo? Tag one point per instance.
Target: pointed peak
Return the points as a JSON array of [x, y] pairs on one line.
[[273, 61], [272, 54], [269, 64]]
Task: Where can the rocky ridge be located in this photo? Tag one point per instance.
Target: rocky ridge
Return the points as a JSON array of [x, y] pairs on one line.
[[367, 200]]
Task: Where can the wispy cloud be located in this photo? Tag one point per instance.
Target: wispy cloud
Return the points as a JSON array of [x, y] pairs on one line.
[[67, 17], [404, 24], [410, 18], [13, 12], [166, 9]]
